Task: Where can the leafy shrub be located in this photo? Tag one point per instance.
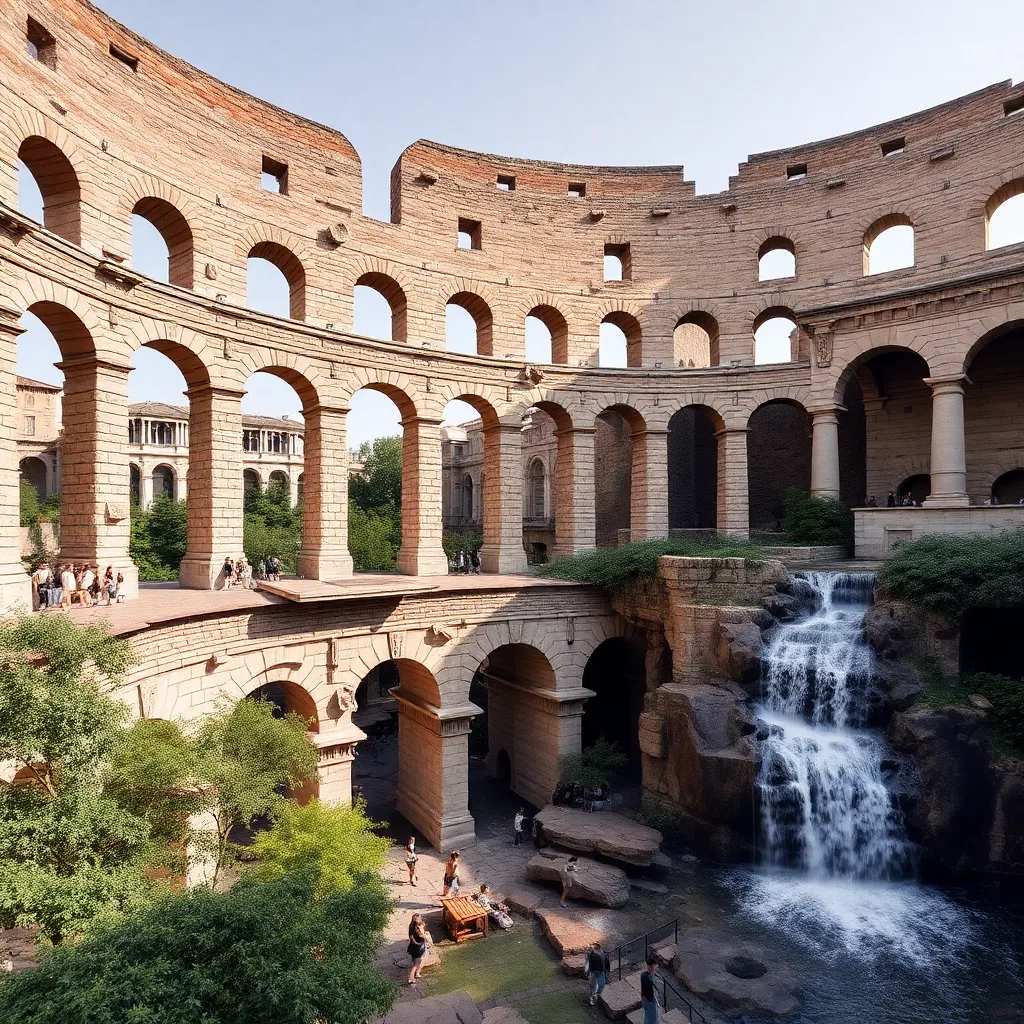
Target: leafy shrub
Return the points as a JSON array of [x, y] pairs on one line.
[[1007, 714], [159, 538], [29, 499], [949, 574], [374, 536], [615, 568], [457, 539], [811, 519], [594, 765]]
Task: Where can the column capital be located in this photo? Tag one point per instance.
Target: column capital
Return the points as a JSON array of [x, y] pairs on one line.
[[948, 383], [821, 411], [570, 430], [216, 390], [92, 361], [324, 408], [415, 420], [10, 322]]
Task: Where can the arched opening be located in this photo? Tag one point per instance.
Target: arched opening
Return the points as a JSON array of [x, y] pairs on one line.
[[536, 492], [470, 508], [548, 433], [162, 244], [515, 722], [695, 341], [776, 259], [288, 698], [163, 483], [693, 469], [889, 244], [616, 674], [276, 281], [250, 479], [540, 496], [778, 458], [914, 489], [547, 336], [777, 338], [613, 452], [278, 479], [1008, 489], [1004, 216], [300, 486], [379, 308], [32, 471], [135, 484], [56, 183], [469, 326], [620, 342]]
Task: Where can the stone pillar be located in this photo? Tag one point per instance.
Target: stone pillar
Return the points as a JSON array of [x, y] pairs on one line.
[[733, 506], [421, 553], [502, 499], [433, 771], [336, 750], [96, 489], [825, 452], [648, 507], [324, 554], [145, 484], [214, 485], [15, 586], [574, 490], [200, 861], [949, 452]]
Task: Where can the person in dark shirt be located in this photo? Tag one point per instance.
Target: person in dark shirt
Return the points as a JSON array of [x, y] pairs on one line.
[[648, 993], [598, 969]]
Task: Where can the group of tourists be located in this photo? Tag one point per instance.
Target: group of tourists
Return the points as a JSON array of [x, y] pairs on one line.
[[598, 967], [586, 798], [65, 584], [466, 563], [238, 573]]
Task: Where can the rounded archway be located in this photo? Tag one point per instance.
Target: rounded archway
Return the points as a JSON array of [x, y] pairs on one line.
[[58, 186], [695, 341], [1008, 489], [693, 468], [32, 471], [889, 244], [163, 482], [914, 489], [778, 458], [546, 335], [617, 675], [288, 698]]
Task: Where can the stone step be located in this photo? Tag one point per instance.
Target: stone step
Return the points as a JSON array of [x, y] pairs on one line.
[[673, 1016], [621, 997]]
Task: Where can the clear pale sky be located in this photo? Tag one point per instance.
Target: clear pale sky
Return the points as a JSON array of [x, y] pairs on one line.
[[588, 81]]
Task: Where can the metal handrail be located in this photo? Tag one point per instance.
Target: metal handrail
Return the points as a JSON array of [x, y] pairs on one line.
[[662, 932]]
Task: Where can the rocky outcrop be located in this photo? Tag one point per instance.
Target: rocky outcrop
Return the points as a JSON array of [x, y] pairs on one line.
[[592, 880], [567, 932], [739, 648], [602, 832], [736, 975]]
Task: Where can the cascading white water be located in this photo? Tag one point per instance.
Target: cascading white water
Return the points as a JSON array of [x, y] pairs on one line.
[[825, 806]]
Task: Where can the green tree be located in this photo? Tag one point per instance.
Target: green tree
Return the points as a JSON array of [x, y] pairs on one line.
[[379, 484], [30, 509], [265, 952], [159, 538], [374, 537], [272, 525], [811, 519], [594, 765]]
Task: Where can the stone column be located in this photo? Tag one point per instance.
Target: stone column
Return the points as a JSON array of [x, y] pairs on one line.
[[949, 452], [574, 513], [825, 452], [96, 489], [502, 499], [214, 485], [648, 507], [15, 586], [145, 483], [733, 505], [421, 553], [433, 771], [324, 554], [336, 750]]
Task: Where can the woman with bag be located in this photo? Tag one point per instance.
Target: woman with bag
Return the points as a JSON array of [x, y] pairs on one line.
[[417, 948]]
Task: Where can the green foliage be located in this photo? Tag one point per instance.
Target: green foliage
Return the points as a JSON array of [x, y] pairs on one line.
[[1007, 715], [337, 843], [380, 482], [670, 824], [810, 519], [30, 509], [615, 568], [949, 574], [595, 765], [51, 509], [272, 526], [262, 953], [374, 536], [465, 539], [159, 538]]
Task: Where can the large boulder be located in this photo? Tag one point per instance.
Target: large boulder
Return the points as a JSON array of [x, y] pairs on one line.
[[739, 651], [599, 883], [602, 832], [567, 932], [736, 975]]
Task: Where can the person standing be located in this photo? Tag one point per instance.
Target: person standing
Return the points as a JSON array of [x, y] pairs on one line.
[[67, 585], [567, 874], [648, 993], [85, 587], [451, 874], [41, 586], [538, 833], [226, 570], [598, 969], [119, 589], [109, 586], [417, 948], [890, 502], [411, 858], [517, 826]]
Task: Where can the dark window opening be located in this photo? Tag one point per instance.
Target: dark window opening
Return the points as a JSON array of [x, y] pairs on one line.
[[894, 146], [990, 641], [40, 44], [129, 60], [470, 234], [577, 189], [507, 182], [618, 262], [796, 172], [274, 176], [1014, 106]]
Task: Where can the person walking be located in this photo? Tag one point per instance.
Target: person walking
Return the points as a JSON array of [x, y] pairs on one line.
[[598, 969], [85, 587], [417, 948], [67, 584], [648, 993], [109, 586], [119, 588], [517, 826], [567, 874], [451, 874], [41, 586], [411, 858]]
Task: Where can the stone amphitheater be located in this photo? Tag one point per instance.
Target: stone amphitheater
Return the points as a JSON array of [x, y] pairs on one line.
[[906, 380]]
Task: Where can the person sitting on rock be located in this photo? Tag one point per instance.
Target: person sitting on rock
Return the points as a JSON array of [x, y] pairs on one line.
[[497, 912], [567, 873]]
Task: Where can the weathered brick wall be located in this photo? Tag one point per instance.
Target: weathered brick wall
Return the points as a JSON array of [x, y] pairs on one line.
[[778, 458]]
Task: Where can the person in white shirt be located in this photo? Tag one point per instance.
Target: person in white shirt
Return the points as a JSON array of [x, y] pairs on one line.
[[67, 582], [87, 578], [41, 586]]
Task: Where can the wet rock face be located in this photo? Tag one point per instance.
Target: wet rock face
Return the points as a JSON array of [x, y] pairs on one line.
[[602, 832], [739, 651]]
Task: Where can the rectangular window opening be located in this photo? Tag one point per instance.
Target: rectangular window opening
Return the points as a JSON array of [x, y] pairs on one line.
[[894, 146], [577, 189], [126, 58], [507, 182], [30, 425], [1014, 106], [470, 234], [796, 172], [618, 262], [40, 44], [274, 176]]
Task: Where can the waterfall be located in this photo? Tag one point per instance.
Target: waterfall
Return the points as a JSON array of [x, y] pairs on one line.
[[826, 808]]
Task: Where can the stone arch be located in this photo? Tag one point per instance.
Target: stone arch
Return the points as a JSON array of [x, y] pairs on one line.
[[881, 346], [482, 316], [873, 229], [694, 476], [58, 184], [189, 354], [32, 470], [778, 458], [176, 232], [393, 284], [251, 478], [300, 373], [285, 259], [799, 347], [165, 474], [537, 489], [776, 242], [1008, 486], [1008, 327], [626, 318], [706, 322], [543, 308]]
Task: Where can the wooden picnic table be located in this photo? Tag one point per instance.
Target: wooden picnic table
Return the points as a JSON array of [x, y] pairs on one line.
[[463, 918]]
